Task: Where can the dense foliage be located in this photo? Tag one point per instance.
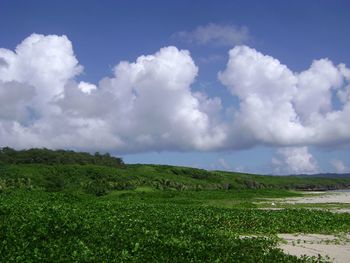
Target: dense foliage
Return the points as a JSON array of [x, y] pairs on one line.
[[100, 180], [51, 227], [62, 206], [102, 173], [46, 156]]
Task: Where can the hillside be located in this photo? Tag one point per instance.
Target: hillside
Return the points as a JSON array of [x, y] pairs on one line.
[[100, 174], [58, 206]]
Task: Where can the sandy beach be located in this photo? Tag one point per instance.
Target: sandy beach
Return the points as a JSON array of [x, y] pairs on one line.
[[320, 198], [334, 247]]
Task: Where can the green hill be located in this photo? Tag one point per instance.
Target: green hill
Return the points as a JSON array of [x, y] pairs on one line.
[[100, 174], [63, 206]]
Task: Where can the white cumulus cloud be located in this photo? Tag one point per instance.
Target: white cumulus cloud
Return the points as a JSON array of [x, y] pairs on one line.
[[294, 160], [281, 108], [15, 100], [149, 105], [86, 87], [215, 34], [45, 62]]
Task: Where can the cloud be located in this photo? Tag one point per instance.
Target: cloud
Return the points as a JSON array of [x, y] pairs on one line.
[[86, 87], [281, 108], [294, 160], [149, 105], [339, 166], [154, 95], [220, 164], [215, 34], [3, 63], [211, 58], [224, 164], [15, 100], [43, 62], [146, 105]]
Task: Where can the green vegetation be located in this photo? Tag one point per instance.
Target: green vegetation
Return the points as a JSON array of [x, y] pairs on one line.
[[100, 180], [81, 210], [99, 174], [46, 156], [50, 227]]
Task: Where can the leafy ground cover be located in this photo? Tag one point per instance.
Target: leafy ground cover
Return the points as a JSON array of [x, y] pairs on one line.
[[56, 227], [77, 207]]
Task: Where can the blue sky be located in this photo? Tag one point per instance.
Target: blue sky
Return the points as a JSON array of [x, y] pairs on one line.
[[105, 33]]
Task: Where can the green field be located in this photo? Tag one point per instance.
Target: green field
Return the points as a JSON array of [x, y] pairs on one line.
[[38, 226], [149, 213]]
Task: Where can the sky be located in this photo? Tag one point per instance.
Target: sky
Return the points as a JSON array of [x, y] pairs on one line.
[[249, 86]]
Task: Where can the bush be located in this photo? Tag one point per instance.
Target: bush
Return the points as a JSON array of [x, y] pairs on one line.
[[97, 188], [54, 183]]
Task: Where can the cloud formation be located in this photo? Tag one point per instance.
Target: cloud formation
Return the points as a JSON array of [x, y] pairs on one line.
[[339, 166], [281, 108], [216, 35], [221, 164], [148, 104], [44, 62], [294, 160]]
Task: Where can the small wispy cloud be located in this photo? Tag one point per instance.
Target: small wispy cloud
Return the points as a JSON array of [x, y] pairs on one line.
[[224, 164], [215, 34], [220, 164], [295, 160], [339, 166], [211, 58]]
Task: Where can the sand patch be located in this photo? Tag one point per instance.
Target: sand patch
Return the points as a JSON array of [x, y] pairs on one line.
[[341, 210], [327, 197], [336, 248], [333, 201]]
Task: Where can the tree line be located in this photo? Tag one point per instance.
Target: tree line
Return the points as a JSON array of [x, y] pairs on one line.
[[47, 156]]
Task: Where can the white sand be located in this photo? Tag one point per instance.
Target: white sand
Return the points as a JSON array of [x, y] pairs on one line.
[[337, 249], [340, 210], [326, 197]]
